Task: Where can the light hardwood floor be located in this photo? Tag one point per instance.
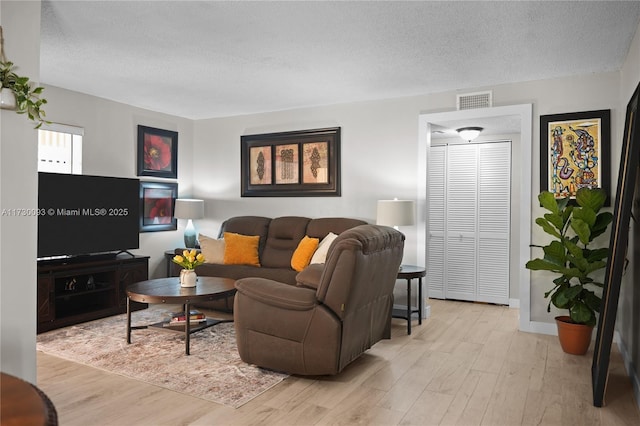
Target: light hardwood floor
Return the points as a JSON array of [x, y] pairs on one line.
[[466, 365]]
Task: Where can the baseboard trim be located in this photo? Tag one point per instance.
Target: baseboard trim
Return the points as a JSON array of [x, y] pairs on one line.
[[543, 328], [551, 329], [631, 371]]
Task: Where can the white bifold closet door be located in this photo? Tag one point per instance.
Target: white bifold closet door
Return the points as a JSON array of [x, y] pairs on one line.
[[469, 222]]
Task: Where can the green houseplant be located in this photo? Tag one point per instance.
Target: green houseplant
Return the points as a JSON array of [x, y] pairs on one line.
[[27, 98], [570, 256]]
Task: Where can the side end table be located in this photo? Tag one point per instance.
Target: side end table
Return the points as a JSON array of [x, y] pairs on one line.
[[168, 255], [409, 272]]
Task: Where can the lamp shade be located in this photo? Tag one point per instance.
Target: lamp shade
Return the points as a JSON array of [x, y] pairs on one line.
[[187, 208], [396, 212]]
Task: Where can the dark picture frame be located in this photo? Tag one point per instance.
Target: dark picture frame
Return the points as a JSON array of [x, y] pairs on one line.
[[157, 152], [575, 152], [157, 206], [302, 163], [627, 177]]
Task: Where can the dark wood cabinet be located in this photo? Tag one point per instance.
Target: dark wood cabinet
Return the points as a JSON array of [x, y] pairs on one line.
[[78, 290], [45, 296], [127, 275]]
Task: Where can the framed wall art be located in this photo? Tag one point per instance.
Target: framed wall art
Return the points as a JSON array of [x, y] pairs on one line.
[[157, 152], [157, 204], [622, 213], [575, 152], [291, 164]]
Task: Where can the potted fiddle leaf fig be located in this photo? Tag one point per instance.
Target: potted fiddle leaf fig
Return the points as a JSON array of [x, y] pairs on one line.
[[22, 96], [570, 256]]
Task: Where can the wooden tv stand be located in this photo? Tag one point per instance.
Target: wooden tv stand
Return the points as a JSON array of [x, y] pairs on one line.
[[76, 290]]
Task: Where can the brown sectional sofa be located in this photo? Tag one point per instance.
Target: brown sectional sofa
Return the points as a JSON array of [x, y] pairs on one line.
[[279, 238], [317, 321]]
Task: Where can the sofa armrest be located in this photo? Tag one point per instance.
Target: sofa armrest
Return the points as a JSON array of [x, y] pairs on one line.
[[277, 294], [310, 276]]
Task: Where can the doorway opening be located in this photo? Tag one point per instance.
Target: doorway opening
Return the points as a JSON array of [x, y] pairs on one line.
[[514, 122]]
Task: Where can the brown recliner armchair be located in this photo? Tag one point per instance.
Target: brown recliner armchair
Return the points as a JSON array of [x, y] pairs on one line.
[[336, 311]]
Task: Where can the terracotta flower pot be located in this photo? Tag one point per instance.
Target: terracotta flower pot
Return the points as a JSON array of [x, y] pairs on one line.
[[574, 338]]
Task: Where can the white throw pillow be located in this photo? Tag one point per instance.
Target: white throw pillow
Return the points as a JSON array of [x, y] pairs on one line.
[[320, 256], [212, 249]]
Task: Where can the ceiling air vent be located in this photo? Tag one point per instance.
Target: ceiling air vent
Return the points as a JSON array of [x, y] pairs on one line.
[[474, 100]]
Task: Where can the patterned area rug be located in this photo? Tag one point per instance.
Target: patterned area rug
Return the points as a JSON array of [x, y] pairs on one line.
[[213, 371]]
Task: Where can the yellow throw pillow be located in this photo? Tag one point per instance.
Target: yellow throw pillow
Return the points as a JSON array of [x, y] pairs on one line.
[[302, 256], [241, 249]]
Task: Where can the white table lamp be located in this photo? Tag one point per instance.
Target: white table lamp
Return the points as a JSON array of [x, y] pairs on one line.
[[396, 213], [190, 209]]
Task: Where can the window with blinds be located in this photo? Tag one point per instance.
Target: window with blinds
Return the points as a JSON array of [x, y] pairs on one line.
[[60, 149]]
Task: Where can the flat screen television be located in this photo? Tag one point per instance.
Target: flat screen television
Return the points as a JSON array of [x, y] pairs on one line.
[[84, 215]]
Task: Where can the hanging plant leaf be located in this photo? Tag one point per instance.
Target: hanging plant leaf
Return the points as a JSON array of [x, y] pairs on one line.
[[28, 99]]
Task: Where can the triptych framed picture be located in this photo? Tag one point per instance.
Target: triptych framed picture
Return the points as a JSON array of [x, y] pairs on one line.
[[291, 164]]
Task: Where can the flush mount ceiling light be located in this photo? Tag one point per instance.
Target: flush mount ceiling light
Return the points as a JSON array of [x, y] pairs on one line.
[[469, 133]]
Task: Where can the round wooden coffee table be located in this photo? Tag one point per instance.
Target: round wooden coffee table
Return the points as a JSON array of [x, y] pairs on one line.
[[168, 290]]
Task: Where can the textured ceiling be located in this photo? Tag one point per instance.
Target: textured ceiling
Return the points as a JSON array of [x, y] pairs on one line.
[[215, 59]]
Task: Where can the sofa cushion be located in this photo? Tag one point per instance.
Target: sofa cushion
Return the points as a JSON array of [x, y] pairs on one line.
[[320, 255], [319, 228], [282, 240], [310, 276], [302, 256], [247, 225], [212, 249], [241, 249], [236, 272]]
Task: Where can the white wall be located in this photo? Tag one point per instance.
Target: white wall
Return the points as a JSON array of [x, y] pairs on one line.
[[110, 149], [378, 162], [380, 154], [18, 185]]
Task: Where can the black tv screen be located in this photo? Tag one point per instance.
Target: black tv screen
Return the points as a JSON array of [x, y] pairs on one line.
[[81, 214]]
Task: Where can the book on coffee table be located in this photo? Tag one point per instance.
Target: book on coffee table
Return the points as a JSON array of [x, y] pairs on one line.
[[181, 323], [179, 318], [194, 314]]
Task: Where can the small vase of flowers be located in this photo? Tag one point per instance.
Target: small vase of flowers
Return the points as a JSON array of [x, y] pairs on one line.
[[189, 260]]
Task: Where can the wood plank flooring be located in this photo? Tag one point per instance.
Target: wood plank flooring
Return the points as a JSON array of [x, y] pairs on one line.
[[466, 365]]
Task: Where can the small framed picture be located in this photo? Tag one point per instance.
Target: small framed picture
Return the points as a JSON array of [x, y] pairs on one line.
[[157, 152], [575, 152], [287, 164], [315, 162], [157, 204], [261, 157]]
